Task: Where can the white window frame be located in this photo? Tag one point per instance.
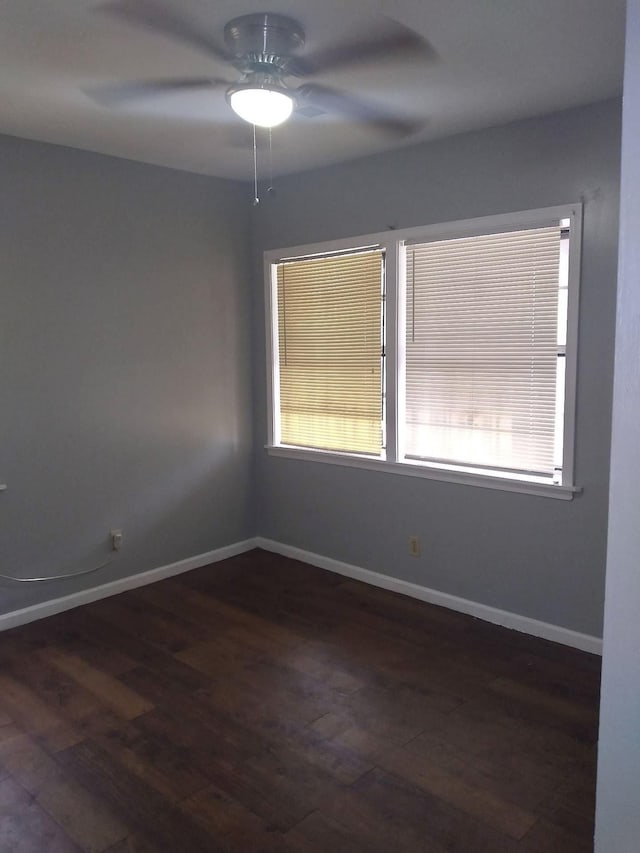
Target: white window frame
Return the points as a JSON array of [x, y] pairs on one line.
[[393, 243]]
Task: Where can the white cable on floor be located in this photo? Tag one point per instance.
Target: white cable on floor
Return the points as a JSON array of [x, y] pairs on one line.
[[57, 577]]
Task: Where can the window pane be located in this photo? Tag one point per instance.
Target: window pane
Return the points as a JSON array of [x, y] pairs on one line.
[[481, 350], [329, 352]]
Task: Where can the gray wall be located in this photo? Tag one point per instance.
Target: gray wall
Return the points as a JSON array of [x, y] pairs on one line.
[[125, 389], [618, 805], [535, 556], [125, 377]]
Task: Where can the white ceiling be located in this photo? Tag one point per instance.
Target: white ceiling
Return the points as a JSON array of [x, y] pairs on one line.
[[496, 61]]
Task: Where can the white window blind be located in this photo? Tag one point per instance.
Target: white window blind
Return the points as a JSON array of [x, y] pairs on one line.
[[329, 342], [482, 351]]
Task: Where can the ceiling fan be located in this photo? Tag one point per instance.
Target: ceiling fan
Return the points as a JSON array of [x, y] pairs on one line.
[[266, 49]]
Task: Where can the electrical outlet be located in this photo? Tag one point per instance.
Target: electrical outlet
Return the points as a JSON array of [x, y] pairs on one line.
[[117, 538], [414, 546]]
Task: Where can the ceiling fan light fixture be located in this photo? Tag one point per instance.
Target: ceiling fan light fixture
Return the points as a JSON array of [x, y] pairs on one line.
[[264, 106]]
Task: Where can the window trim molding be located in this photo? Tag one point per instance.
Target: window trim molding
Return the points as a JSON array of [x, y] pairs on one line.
[[571, 350], [393, 242], [426, 472]]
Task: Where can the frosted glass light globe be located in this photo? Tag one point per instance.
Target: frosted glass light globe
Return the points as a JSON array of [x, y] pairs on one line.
[[264, 107]]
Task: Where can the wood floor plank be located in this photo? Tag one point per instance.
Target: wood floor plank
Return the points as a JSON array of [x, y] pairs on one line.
[[212, 610], [86, 818], [235, 828], [367, 746], [220, 657], [124, 638], [204, 624], [290, 653], [112, 692], [401, 804], [282, 788], [166, 630], [34, 715], [217, 812], [485, 729], [396, 715], [337, 759], [362, 818], [329, 834], [519, 784], [198, 606], [558, 706], [159, 762], [26, 828], [160, 683], [555, 678], [56, 689], [453, 788], [547, 837], [134, 844], [61, 631], [27, 762], [280, 730], [202, 731], [99, 655], [130, 795]]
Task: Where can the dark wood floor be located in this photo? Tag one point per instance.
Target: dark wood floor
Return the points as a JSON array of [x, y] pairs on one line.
[[264, 705]]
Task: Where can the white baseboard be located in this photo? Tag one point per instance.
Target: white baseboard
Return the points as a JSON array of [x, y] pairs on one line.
[[86, 596], [524, 624]]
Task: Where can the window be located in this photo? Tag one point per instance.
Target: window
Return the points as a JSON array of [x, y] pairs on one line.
[[447, 352], [482, 351], [329, 345]]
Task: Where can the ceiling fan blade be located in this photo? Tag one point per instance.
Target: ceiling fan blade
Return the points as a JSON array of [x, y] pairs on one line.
[[332, 100], [158, 17], [122, 93], [391, 41]]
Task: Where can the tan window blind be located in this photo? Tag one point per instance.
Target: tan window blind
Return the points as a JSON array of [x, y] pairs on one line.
[[329, 351], [482, 350]]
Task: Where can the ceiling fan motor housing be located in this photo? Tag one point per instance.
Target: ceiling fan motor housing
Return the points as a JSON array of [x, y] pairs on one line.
[[263, 42]]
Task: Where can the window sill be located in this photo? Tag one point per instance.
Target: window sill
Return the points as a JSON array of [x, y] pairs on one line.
[[427, 472]]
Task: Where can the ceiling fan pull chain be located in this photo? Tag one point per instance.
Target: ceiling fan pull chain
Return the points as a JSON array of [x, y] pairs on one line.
[[270, 189], [256, 198]]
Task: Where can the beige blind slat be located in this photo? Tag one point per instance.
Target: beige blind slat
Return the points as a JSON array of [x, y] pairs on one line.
[[481, 350], [329, 344]]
